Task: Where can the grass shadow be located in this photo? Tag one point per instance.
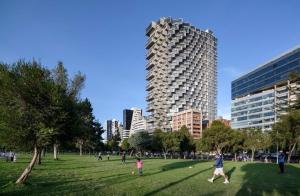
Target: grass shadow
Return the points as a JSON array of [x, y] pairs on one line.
[[265, 179], [176, 182]]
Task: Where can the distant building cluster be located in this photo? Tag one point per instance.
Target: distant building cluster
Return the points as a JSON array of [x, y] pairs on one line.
[[182, 85]]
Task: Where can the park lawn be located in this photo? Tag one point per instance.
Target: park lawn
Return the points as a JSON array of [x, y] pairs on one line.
[[84, 175]]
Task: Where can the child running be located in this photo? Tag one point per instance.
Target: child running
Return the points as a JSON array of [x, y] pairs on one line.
[[139, 165], [219, 168]]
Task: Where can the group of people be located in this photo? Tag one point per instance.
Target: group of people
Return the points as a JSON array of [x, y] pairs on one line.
[[99, 156], [123, 156], [9, 156], [218, 166]]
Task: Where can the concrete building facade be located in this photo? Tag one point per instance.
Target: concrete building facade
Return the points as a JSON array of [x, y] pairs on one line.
[[138, 122], [181, 71]]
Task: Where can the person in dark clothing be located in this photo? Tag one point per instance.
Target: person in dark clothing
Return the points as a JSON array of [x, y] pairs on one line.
[[99, 156], [123, 157], [281, 158]]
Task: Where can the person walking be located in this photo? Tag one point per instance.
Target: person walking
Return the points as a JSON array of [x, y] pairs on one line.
[[139, 165], [99, 156], [281, 158], [219, 168], [123, 157]]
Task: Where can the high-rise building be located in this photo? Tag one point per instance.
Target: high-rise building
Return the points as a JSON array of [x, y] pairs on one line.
[[189, 118], [111, 128], [138, 122], [182, 71], [127, 118], [262, 95]]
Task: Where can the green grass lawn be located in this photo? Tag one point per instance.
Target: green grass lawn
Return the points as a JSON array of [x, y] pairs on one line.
[[75, 175]]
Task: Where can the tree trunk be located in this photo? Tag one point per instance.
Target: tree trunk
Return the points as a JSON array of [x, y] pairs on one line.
[[38, 160], [28, 169], [252, 154], [235, 156], [55, 151], [290, 153], [165, 155], [131, 153], [43, 152], [80, 149]]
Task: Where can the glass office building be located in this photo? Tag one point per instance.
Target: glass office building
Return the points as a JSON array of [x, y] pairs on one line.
[[261, 96]]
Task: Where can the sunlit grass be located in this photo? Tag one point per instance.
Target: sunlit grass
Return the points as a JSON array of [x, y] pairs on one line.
[[75, 175]]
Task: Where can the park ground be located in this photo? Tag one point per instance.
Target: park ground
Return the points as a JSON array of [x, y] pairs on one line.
[[84, 175]]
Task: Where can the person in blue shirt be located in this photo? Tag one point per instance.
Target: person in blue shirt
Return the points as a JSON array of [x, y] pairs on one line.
[[281, 158], [219, 168]]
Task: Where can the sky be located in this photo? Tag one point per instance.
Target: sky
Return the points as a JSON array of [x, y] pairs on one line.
[[106, 39]]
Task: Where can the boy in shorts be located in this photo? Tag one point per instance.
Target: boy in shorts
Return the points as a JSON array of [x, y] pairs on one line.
[[219, 168]]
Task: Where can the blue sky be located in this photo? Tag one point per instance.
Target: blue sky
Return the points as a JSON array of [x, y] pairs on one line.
[[106, 40]]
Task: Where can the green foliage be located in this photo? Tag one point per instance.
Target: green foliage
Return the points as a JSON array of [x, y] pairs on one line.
[[125, 145], [157, 140], [237, 141], [28, 105], [255, 139], [170, 142], [140, 141], [286, 132], [38, 108], [217, 137], [89, 131], [186, 142]]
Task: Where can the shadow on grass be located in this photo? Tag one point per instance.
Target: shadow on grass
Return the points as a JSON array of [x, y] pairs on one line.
[[176, 182], [265, 179], [174, 165]]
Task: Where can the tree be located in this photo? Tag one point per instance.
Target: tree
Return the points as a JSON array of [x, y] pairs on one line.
[[113, 143], [237, 142], [287, 131], [156, 143], [125, 145], [67, 118], [140, 141], [170, 142], [217, 137], [186, 140], [27, 104], [88, 135], [255, 140]]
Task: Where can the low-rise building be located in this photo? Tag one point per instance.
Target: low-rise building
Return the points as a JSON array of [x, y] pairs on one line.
[[192, 119]]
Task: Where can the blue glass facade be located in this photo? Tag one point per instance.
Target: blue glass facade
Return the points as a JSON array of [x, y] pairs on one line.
[[267, 75]]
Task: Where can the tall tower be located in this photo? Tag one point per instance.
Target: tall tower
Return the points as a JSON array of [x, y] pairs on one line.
[[181, 71]]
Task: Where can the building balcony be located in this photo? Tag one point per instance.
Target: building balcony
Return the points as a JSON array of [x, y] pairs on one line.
[[149, 43], [150, 75], [150, 28], [149, 65], [149, 109], [149, 87], [149, 97], [150, 54]]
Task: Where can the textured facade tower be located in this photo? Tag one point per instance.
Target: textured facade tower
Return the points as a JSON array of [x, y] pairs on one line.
[[181, 71]]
